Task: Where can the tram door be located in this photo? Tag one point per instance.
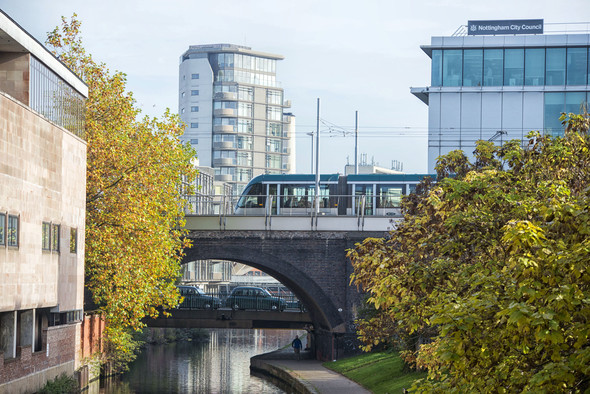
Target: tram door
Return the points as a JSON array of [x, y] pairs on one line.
[[368, 204], [273, 193]]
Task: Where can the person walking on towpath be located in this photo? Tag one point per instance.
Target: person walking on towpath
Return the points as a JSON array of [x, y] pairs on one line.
[[297, 345]]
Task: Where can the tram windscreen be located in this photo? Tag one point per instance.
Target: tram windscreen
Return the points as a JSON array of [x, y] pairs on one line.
[[253, 197]]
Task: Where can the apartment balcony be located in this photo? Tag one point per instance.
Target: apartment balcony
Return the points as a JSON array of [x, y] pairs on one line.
[[224, 178], [223, 162], [228, 96], [223, 145], [287, 104], [224, 112], [223, 128]]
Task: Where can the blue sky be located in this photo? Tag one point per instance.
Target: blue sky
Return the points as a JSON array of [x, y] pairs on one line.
[[353, 55]]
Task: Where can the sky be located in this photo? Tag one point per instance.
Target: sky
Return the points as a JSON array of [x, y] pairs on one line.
[[353, 55]]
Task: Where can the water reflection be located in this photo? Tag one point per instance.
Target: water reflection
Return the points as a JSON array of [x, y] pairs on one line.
[[221, 365]]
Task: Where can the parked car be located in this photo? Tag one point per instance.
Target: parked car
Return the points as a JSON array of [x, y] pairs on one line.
[[195, 298], [254, 298]]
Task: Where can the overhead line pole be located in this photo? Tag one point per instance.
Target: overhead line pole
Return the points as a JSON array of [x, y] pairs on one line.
[[317, 161], [356, 141]]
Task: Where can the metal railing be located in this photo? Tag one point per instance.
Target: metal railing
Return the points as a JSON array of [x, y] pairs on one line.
[[217, 300]]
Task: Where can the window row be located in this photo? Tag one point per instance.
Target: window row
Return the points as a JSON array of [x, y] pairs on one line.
[[248, 77], [231, 60], [239, 125], [238, 142], [510, 67], [50, 234], [246, 93]]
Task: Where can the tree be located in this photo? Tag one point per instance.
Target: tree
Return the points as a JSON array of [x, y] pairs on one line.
[[491, 266], [134, 213]]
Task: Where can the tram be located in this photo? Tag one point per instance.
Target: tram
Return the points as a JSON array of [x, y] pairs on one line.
[[294, 194]]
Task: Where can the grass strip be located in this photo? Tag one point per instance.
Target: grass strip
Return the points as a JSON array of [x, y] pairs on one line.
[[378, 372]]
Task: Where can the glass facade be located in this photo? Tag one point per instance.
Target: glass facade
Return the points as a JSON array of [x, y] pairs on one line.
[[55, 99], [558, 102], [510, 66]]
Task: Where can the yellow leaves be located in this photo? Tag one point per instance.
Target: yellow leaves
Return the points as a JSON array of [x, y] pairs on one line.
[[133, 237]]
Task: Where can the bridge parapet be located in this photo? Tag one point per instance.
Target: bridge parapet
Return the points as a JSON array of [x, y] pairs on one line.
[[291, 223]]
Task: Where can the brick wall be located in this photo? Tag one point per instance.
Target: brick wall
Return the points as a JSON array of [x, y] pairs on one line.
[[60, 349]]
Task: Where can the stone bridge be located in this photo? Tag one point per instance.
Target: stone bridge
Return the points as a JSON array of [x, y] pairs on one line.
[[313, 264]]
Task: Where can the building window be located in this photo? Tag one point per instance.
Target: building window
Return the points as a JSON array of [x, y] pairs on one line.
[[194, 76], [452, 67], [73, 240], [195, 141], [436, 72], [274, 113], [182, 94], [577, 64], [274, 97], [555, 74], [194, 125], [513, 67], [558, 102], [194, 92], [12, 231], [46, 236], [534, 66], [472, 67], [493, 65], [55, 237], [2, 229], [195, 109]]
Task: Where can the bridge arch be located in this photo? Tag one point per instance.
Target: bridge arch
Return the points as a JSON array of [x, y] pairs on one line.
[[319, 304]]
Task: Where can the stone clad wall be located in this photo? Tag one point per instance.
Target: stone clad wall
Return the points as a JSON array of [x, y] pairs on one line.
[[42, 178]]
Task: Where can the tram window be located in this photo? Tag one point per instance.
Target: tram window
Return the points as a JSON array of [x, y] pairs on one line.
[[301, 195], [390, 196], [253, 197]]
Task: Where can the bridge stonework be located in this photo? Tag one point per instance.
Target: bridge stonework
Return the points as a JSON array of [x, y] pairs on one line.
[[313, 264]]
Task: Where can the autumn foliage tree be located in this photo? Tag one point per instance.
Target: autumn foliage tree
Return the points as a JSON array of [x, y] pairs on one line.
[[486, 282], [134, 236]]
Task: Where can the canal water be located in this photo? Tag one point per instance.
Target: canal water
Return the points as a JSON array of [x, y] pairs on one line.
[[220, 365]]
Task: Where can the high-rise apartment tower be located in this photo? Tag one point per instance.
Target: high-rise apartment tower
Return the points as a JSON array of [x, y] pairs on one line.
[[233, 108]]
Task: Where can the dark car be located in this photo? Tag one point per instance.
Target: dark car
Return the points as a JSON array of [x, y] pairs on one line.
[[254, 298], [195, 298]]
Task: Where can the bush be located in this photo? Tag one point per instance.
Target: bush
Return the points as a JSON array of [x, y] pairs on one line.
[[60, 385]]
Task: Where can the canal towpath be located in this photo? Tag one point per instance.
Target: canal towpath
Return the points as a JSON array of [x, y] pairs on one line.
[[303, 376]]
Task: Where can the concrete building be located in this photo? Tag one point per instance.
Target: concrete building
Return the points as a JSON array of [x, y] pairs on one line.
[[42, 212], [498, 80], [232, 105]]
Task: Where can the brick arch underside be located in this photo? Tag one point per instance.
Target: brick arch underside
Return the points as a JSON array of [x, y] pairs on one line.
[[320, 304]]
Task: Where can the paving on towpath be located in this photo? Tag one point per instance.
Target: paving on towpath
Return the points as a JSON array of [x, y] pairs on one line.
[[311, 375]]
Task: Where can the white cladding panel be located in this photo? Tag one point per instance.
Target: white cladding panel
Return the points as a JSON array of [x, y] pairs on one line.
[[532, 112], [450, 120], [204, 101], [470, 120], [512, 116], [491, 114]]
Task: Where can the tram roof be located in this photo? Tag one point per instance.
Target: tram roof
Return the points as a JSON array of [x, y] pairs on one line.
[[371, 178], [290, 178]]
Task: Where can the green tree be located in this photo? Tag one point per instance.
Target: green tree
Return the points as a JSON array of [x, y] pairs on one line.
[[134, 213], [491, 267]]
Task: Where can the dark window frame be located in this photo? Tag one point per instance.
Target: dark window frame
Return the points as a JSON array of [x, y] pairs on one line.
[[3, 227], [12, 239], [55, 237], [73, 240], [46, 236]]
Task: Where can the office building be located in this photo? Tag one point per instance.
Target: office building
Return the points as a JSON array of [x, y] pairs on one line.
[[498, 80], [42, 213], [233, 105]]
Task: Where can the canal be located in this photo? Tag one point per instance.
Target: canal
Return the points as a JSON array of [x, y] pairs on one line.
[[218, 365]]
